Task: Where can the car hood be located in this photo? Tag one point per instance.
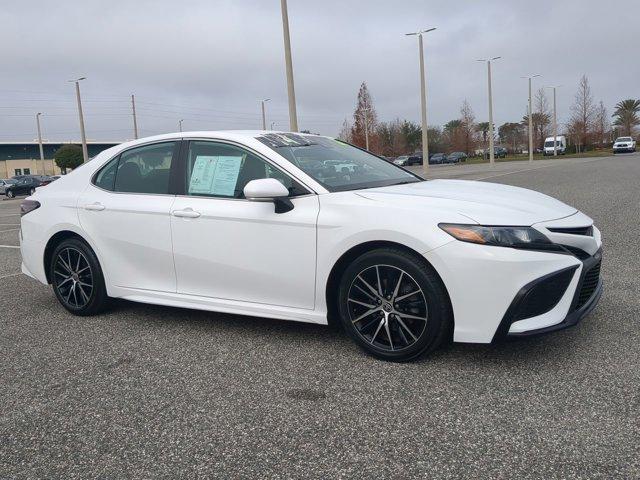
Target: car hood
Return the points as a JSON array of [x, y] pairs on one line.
[[482, 202]]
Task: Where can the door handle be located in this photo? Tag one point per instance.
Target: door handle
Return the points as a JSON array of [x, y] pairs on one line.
[[186, 213], [98, 207]]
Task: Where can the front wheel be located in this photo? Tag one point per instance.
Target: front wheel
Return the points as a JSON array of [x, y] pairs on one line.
[[394, 305], [33, 191], [77, 278], [10, 194]]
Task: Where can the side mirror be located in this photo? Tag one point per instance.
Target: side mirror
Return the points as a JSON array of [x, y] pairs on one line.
[[269, 190]]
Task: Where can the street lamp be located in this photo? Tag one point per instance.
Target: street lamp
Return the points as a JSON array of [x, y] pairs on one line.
[[264, 118], [180, 124], [423, 98], [85, 152], [40, 139], [555, 120], [529, 77], [491, 152], [293, 116], [365, 115]]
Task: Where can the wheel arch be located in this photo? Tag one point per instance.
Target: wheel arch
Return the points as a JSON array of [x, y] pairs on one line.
[[333, 281], [51, 245]]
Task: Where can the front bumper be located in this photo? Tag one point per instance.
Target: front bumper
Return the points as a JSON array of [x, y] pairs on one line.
[[583, 300], [623, 149]]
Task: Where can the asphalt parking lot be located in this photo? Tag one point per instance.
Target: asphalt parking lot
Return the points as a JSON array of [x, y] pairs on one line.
[[148, 391]]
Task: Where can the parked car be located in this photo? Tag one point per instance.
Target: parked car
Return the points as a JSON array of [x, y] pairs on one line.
[[240, 222], [456, 157], [624, 144], [437, 158], [499, 152], [401, 160], [4, 183], [26, 185]]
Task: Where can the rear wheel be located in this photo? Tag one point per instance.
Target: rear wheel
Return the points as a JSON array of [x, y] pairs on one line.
[[33, 191], [77, 278], [10, 194], [394, 305]]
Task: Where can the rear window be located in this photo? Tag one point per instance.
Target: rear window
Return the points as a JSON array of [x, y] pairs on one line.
[[144, 169]]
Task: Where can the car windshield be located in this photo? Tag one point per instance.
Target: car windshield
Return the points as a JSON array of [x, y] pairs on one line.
[[623, 139], [336, 165]]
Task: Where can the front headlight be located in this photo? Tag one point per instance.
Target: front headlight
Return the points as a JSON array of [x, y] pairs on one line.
[[516, 237]]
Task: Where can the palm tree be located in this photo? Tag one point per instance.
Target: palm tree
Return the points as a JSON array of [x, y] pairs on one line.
[[626, 115], [483, 128]]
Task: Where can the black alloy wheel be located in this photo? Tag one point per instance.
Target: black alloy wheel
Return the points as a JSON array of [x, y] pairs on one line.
[[77, 278], [394, 305]]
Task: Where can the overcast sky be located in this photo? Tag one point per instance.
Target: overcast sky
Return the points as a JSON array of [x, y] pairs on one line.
[[210, 62]]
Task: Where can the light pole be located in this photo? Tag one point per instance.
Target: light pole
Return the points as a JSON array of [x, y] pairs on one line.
[[264, 117], [85, 152], [40, 141], [555, 120], [423, 99], [293, 116], [180, 123], [366, 128], [135, 120], [529, 77], [491, 148]]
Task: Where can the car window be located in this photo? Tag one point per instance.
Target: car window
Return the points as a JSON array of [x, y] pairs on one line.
[[142, 170], [106, 177], [222, 170]]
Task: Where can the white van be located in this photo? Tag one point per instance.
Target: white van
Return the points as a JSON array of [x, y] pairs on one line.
[[561, 145]]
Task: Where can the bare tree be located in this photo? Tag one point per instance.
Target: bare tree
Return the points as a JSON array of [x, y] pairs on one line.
[[365, 119], [468, 127], [345, 131], [601, 124], [542, 120], [583, 112]]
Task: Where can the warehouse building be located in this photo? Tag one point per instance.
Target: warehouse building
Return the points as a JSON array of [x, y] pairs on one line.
[[23, 158]]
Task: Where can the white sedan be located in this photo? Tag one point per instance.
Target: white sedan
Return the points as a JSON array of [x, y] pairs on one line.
[[264, 224]]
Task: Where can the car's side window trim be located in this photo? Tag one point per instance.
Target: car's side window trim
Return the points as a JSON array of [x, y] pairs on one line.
[[174, 166], [183, 161]]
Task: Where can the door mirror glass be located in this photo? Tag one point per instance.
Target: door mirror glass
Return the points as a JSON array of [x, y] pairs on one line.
[[265, 190]]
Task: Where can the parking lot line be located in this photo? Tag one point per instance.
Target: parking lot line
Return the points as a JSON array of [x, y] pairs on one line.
[[9, 246], [9, 224], [10, 230]]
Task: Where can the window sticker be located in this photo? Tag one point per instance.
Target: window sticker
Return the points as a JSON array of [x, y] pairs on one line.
[[215, 175]]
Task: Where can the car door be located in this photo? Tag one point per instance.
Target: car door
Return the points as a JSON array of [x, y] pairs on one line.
[[126, 213], [227, 247], [23, 186]]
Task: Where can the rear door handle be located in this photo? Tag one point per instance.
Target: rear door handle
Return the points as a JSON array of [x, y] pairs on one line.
[[98, 207], [186, 213]]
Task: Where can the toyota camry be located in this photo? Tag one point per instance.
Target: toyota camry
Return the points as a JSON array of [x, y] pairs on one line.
[[311, 229]]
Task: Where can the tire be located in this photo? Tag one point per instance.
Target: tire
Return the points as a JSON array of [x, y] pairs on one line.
[[84, 293], [400, 325], [10, 194], [33, 191]]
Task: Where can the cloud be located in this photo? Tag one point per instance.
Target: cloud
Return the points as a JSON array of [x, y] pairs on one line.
[[211, 62]]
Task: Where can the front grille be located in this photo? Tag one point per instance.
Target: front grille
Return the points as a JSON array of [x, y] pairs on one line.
[[589, 284], [587, 231]]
